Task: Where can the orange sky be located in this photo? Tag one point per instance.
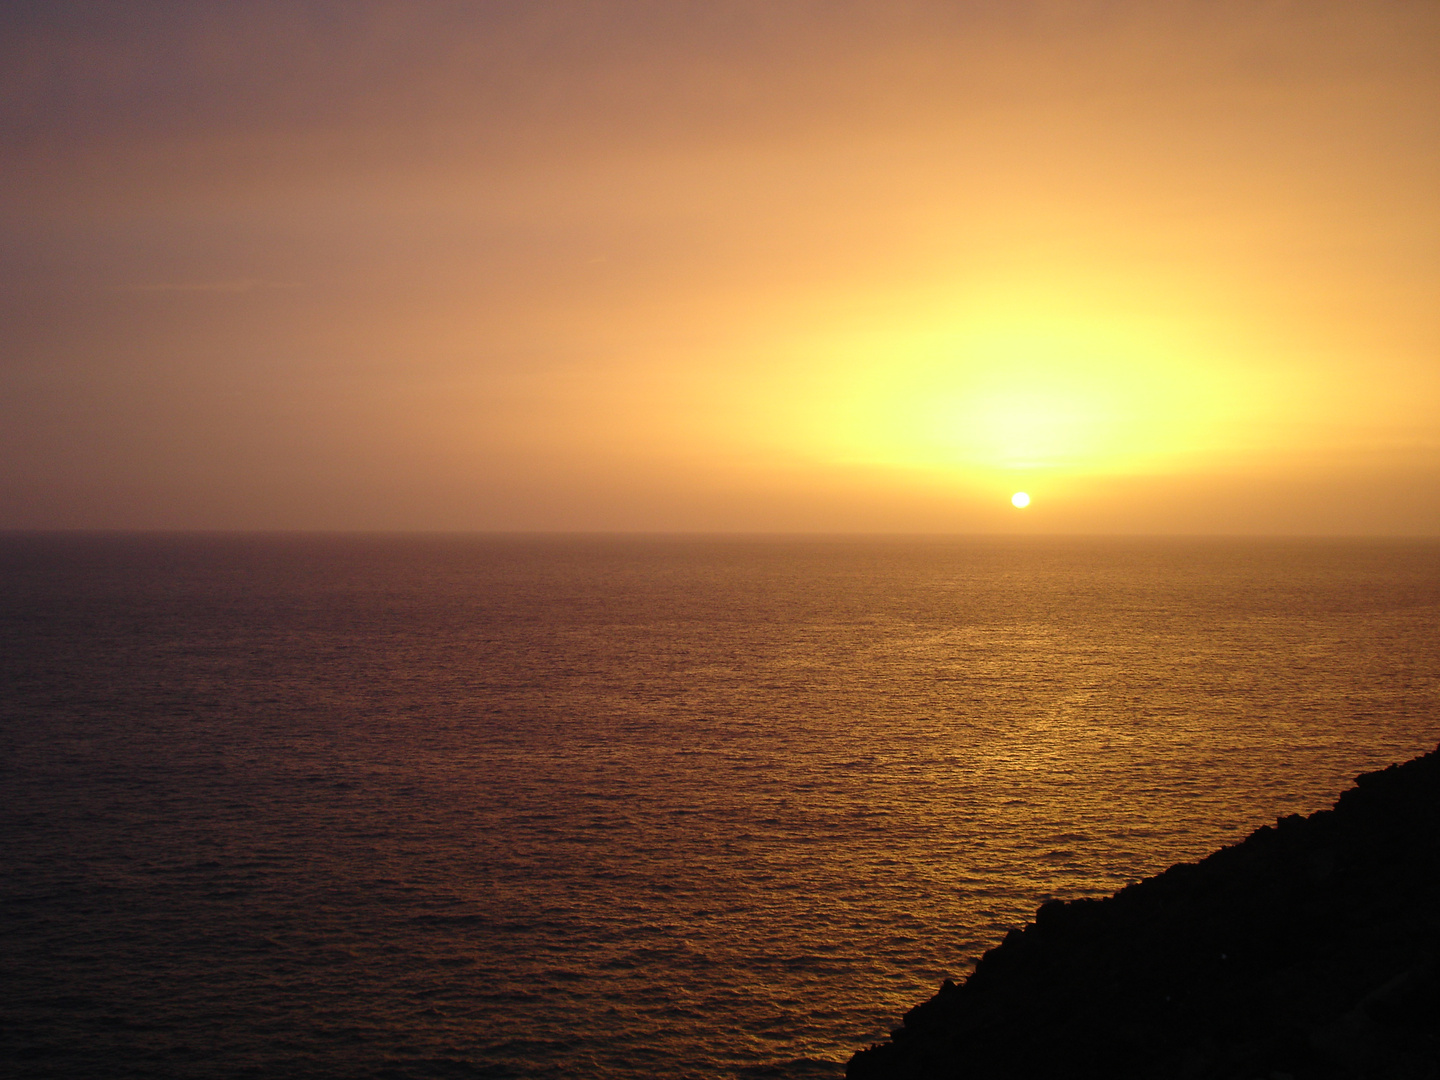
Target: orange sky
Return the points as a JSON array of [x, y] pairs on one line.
[[734, 266]]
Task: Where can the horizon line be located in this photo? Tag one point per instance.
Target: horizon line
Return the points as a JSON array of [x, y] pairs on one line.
[[695, 533]]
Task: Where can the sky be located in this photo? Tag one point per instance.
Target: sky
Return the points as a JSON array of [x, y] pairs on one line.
[[721, 266]]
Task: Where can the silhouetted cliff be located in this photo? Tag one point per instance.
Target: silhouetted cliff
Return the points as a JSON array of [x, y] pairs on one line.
[[1307, 950]]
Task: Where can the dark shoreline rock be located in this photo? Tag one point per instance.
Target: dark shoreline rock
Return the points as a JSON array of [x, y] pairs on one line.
[[1308, 950]]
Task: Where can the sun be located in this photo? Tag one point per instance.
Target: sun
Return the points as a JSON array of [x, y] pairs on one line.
[[1019, 500]]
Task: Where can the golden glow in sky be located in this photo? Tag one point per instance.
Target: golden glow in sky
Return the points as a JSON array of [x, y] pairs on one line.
[[1167, 268]]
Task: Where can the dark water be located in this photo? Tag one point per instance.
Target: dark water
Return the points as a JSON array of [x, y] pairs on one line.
[[630, 807]]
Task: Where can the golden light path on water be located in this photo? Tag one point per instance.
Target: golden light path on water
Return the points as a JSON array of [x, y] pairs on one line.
[[549, 807]]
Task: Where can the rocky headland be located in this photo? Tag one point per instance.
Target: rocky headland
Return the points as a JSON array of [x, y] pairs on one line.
[[1308, 950]]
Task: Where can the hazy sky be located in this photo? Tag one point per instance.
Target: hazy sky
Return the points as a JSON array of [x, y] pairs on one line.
[[1168, 267]]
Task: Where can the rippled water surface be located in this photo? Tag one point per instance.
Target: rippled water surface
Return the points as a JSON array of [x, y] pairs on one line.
[[630, 807]]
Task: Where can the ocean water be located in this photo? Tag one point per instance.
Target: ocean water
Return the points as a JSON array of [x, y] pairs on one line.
[[631, 807]]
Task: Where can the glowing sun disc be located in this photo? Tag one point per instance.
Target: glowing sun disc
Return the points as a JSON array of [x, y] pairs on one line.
[[1019, 500]]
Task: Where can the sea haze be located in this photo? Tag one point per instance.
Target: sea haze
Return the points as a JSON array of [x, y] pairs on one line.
[[631, 807]]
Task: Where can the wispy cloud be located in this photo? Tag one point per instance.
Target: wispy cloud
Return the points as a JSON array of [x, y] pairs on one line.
[[239, 285]]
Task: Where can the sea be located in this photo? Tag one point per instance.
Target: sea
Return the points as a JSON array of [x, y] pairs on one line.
[[631, 806]]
